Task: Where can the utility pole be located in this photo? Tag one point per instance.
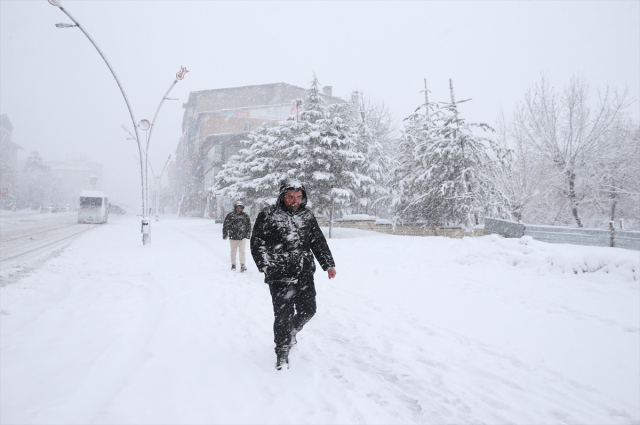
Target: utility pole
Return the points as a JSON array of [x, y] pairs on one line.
[[426, 100], [453, 100]]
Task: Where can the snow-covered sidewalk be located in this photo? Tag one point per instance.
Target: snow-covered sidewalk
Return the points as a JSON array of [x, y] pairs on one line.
[[412, 330]]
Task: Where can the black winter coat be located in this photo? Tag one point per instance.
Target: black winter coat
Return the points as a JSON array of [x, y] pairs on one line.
[[285, 242], [237, 225]]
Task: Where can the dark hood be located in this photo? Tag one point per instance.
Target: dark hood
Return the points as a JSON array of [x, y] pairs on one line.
[[292, 184]]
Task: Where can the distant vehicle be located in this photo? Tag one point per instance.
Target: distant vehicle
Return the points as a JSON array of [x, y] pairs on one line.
[[93, 207], [114, 209], [46, 209]]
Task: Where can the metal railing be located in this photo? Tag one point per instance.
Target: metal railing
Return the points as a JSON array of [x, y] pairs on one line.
[[613, 237]]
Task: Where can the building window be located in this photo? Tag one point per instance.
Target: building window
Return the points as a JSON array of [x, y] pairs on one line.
[[248, 126]]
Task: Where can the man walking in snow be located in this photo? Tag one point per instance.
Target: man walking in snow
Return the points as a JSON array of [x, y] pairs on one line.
[[286, 236], [237, 226]]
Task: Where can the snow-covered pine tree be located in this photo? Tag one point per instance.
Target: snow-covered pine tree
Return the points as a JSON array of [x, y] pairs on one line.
[[371, 127], [454, 170], [318, 149], [314, 106], [270, 155], [405, 165], [334, 168]]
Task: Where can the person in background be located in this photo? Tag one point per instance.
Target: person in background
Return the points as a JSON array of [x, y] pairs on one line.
[[237, 226], [286, 237]]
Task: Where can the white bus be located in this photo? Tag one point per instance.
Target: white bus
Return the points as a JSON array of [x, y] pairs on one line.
[[94, 207]]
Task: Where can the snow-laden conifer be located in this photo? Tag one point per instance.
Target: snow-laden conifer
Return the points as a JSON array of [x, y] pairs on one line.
[[446, 173], [371, 129], [404, 168], [270, 154], [318, 148], [314, 105]]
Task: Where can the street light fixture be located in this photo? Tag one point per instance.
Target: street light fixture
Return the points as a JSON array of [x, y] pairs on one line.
[[143, 123], [57, 4], [179, 76]]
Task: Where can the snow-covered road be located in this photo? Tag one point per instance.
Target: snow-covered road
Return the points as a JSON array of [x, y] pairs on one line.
[[29, 238], [412, 330]]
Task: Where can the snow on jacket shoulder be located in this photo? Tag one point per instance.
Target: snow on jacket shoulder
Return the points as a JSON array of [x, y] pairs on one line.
[[237, 226], [286, 241]]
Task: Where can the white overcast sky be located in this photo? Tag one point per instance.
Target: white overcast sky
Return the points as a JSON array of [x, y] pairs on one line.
[[63, 102]]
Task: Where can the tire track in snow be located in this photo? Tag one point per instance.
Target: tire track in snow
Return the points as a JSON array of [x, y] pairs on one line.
[[26, 253], [37, 233], [42, 245]]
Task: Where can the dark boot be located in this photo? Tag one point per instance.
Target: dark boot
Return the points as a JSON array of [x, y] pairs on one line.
[[233, 267], [283, 361], [243, 268]]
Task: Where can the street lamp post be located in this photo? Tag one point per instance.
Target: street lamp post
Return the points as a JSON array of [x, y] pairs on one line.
[[146, 222], [148, 127], [143, 166], [158, 180], [179, 76], [124, 95]]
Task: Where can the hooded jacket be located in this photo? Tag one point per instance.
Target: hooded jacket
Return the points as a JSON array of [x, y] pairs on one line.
[[237, 225], [285, 241]]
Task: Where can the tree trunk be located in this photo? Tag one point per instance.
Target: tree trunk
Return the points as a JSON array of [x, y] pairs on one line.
[[573, 198], [517, 213], [614, 202], [426, 101]]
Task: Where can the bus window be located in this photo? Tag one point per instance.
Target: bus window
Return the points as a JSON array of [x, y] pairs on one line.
[[90, 202]]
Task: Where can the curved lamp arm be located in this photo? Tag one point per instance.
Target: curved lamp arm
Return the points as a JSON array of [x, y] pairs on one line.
[[57, 4]]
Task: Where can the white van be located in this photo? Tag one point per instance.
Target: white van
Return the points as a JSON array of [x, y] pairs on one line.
[[94, 207]]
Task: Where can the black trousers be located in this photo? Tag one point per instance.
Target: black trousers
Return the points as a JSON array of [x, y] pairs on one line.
[[294, 304]]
